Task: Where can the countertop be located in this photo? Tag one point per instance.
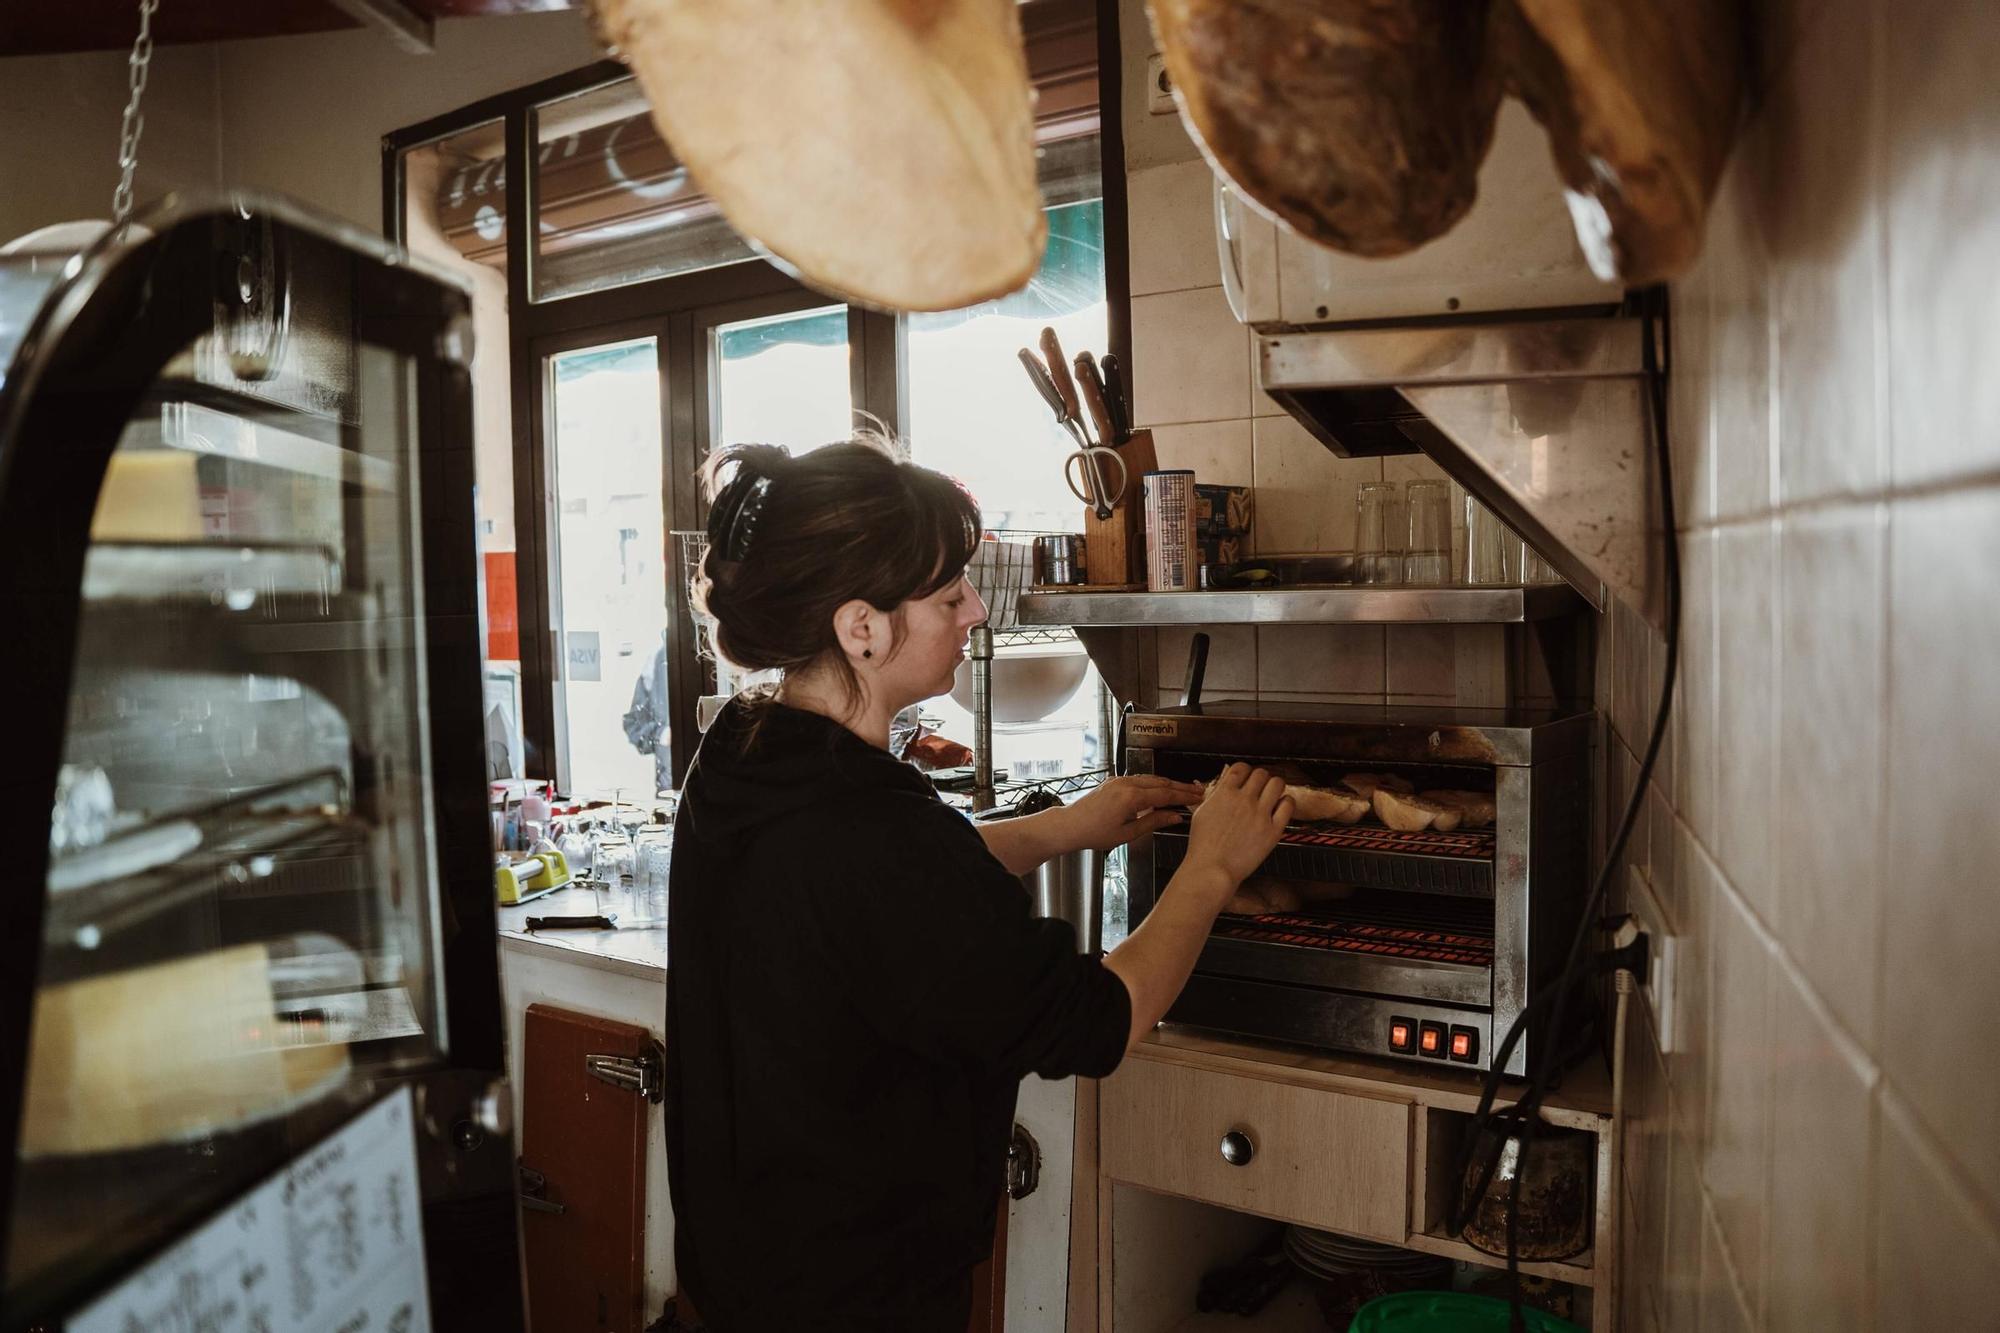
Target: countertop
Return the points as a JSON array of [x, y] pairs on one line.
[[634, 952]]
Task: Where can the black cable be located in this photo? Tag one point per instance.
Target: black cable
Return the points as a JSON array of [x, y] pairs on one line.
[[1525, 1113]]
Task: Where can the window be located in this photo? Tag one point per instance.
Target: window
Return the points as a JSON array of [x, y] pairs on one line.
[[784, 379], [615, 734], [643, 332]]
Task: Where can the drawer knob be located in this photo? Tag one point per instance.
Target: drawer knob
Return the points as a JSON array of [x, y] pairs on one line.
[[1237, 1149]]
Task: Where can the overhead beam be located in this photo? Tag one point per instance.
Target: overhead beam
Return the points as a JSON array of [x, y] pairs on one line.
[[404, 26]]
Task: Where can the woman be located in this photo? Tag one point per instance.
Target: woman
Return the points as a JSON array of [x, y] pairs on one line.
[[856, 987]]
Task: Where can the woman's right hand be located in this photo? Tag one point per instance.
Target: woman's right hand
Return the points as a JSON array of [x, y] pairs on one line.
[[1239, 823]]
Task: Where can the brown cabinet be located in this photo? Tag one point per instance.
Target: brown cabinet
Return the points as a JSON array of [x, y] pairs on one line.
[[583, 1172]]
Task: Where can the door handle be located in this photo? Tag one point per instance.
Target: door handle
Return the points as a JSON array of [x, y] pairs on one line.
[[534, 1190]]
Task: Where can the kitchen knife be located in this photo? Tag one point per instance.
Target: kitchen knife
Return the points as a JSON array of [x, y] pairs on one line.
[[1114, 397], [1091, 389], [1052, 352], [535, 923], [1043, 384]]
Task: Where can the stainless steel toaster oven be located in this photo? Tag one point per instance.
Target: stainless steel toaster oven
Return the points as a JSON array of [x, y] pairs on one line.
[[1417, 943]]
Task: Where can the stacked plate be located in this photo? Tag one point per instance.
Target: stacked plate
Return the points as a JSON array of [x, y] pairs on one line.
[[1323, 1254]]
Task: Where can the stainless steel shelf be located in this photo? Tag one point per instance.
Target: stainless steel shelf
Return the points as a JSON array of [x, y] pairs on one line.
[[1303, 606]]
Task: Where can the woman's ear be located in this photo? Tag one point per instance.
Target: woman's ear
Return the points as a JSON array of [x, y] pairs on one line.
[[860, 630]]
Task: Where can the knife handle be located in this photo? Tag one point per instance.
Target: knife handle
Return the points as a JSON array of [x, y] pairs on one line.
[[1092, 390], [535, 923], [1114, 396], [1052, 352]]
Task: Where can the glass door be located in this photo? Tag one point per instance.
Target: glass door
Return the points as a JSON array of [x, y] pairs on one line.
[[607, 438]]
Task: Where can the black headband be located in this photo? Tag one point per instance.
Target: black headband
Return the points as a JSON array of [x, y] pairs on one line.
[[733, 524]]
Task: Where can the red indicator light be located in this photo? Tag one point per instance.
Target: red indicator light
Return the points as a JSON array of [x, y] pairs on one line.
[[1461, 1045], [1399, 1036], [1430, 1039]]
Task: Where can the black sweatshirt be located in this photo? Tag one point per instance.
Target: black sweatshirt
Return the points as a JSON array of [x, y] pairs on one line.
[[854, 992]]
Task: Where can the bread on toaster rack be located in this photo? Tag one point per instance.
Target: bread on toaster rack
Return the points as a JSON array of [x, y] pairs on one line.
[[1367, 784], [1411, 814], [1313, 805], [1475, 808]]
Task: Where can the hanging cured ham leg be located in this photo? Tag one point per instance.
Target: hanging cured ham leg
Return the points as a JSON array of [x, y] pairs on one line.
[[1640, 101], [882, 148], [1361, 123]]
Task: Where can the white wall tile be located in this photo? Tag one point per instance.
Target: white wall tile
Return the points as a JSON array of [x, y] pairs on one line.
[[1232, 659], [1305, 492], [1746, 731], [1943, 224], [1826, 264], [1722, 1308], [1695, 772], [1680, 1260], [1820, 1109], [1691, 407], [1740, 337], [1735, 1168], [1830, 707], [1188, 361], [1941, 933], [1694, 906], [1422, 660], [1172, 212], [1320, 659], [1937, 1248], [1219, 452]]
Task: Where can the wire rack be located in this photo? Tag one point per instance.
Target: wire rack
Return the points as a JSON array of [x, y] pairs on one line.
[[693, 546], [1002, 569]]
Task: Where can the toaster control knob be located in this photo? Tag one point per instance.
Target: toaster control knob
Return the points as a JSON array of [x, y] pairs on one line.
[[1237, 1149]]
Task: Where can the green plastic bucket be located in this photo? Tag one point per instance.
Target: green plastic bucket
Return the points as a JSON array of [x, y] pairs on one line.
[[1448, 1312]]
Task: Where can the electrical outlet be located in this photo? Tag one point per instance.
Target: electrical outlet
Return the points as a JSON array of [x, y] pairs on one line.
[[1159, 86], [1661, 989]]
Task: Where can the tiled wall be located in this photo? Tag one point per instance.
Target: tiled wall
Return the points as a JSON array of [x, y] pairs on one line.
[[1195, 384], [1823, 1150]]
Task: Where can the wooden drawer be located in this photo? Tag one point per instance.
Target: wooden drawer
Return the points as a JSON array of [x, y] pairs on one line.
[[1326, 1159]]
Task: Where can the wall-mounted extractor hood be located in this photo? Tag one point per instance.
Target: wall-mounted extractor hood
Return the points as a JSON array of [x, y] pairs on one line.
[[1544, 420], [1494, 349]]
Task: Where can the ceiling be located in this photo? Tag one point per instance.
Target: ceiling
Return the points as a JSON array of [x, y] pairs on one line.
[[37, 27]]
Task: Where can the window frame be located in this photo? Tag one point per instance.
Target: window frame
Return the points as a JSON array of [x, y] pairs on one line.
[[682, 311]]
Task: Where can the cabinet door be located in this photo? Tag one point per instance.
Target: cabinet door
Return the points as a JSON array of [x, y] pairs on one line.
[[583, 1151]]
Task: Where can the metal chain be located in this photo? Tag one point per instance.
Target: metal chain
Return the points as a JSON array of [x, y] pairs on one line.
[[137, 65]]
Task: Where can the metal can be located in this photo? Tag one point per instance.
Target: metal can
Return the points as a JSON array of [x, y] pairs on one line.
[[1170, 548], [1059, 559]]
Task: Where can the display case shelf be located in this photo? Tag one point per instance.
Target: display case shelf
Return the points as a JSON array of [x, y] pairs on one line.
[[233, 576], [1330, 605], [201, 418], [185, 855]]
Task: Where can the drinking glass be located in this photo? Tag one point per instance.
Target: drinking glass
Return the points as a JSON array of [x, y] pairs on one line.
[[1492, 551], [1377, 536], [1534, 569], [1427, 552]]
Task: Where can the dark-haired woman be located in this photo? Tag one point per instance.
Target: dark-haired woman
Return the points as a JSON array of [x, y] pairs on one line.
[[856, 986]]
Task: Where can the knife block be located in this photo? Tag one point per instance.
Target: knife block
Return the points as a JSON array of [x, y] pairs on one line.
[[1114, 549]]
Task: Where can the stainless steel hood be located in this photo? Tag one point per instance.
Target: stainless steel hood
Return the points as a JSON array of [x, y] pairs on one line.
[[1545, 420]]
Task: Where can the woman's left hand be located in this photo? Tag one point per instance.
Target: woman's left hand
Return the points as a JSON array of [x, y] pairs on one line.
[[1124, 810]]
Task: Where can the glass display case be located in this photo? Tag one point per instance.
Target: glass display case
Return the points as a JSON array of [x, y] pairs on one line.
[[253, 897]]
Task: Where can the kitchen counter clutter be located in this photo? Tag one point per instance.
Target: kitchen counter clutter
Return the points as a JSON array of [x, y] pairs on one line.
[[637, 952]]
